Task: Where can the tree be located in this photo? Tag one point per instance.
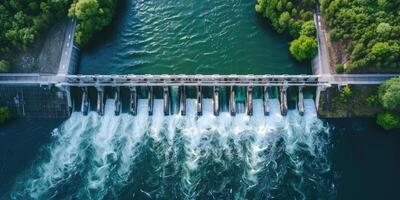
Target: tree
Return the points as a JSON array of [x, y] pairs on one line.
[[339, 68], [283, 21], [345, 95], [308, 29], [260, 6], [21, 22], [384, 29], [388, 120], [389, 94], [4, 66], [92, 16], [304, 48], [381, 49], [369, 28], [5, 115]]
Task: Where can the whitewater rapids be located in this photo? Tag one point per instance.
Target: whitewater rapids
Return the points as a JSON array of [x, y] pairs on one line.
[[183, 157]]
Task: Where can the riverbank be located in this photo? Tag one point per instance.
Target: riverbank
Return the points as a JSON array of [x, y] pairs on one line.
[[358, 102], [43, 56]]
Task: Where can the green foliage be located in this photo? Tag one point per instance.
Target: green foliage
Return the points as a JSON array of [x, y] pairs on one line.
[[295, 18], [373, 101], [389, 94], [5, 115], [4, 66], [304, 48], [92, 16], [345, 95], [308, 29], [281, 12], [339, 68], [372, 28], [388, 120], [389, 97], [22, 21], [260, 6]]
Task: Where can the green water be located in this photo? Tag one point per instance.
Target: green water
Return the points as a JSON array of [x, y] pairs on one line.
[[189, 37]]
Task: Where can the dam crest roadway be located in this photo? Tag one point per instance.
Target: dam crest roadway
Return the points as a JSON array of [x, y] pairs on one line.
[[194, 80]]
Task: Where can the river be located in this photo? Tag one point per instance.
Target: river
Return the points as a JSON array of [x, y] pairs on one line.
[[189, 37], [202, 158], [196, 157]]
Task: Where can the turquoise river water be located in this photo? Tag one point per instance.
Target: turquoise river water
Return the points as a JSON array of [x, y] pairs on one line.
[[189, 37]]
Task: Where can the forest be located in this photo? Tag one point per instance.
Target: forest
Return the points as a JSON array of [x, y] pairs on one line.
[[22, 21], [368, 31], [294, 17]]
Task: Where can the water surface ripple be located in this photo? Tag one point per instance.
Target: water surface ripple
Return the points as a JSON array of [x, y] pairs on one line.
[[189, 37]]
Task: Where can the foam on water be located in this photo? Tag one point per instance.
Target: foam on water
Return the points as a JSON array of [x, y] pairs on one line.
[[183, 157]]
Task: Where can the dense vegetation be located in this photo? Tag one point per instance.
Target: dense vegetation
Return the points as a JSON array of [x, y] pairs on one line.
[[296, 18], [22, 21], [92, 16], [5, 115], [4, 66], [389, 96], [369, 31]]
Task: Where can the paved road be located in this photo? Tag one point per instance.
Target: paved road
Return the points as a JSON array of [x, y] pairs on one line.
[[322, 66], [67, 48]]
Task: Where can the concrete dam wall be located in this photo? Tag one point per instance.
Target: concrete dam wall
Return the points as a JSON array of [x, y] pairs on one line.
[[35, 101]]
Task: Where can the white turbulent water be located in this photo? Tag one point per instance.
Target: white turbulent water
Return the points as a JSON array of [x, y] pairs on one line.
[[183, 157]]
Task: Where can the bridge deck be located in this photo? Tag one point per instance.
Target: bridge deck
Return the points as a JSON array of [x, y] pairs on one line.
[[194, 80]]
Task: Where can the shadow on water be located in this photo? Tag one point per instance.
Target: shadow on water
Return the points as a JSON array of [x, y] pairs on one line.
[[20, 143], [111, 31], [284, 37], [366, 160]]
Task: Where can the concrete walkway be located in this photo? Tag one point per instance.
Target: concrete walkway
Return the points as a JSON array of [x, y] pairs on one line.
[[67, 50], [195, 80]]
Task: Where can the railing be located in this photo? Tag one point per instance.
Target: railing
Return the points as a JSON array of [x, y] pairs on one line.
[[193, 80]]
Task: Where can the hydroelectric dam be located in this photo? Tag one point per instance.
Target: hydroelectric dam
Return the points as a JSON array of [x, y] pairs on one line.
[[233, 93]]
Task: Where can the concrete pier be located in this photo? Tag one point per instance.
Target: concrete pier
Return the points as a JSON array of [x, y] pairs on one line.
[[182, 100], [283, 100], [150, 99], [117, 101], [166, 100], [249, 100], [216, 100], [199, 102], [318, 95], [100, 100], [232, 101], [301, 101], [68, 96], [85, 102], [133, 101], [266, 100]]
